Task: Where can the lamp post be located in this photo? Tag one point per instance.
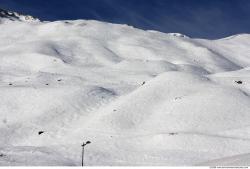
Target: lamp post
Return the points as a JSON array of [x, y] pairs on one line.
[[83, 145]]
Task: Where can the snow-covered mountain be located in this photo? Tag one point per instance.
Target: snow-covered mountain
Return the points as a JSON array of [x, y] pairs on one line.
[[14, 16], [141, 97]]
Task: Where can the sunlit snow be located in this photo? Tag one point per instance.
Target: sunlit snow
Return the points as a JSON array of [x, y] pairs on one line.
[[141, 97]]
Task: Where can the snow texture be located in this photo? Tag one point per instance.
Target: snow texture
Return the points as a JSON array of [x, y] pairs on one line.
[[141, 97]]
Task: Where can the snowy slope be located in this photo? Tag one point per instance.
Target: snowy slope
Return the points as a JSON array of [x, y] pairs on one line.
[[237, 160], [141, 97]]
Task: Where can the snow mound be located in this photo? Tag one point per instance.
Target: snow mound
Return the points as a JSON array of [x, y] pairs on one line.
[[175, 98], [141, 97]]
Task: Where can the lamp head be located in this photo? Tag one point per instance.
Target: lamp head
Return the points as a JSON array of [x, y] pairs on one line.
[[84, 144]]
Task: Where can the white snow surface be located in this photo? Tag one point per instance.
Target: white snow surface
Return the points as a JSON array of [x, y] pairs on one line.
[[141, 97]]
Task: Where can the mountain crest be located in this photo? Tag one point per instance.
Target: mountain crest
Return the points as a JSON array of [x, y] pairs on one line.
[[14, 16]]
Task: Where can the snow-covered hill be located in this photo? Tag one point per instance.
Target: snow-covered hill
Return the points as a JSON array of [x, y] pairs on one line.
[[141, 97]]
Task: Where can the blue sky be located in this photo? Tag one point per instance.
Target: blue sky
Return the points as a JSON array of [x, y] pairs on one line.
[[210, 19]]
